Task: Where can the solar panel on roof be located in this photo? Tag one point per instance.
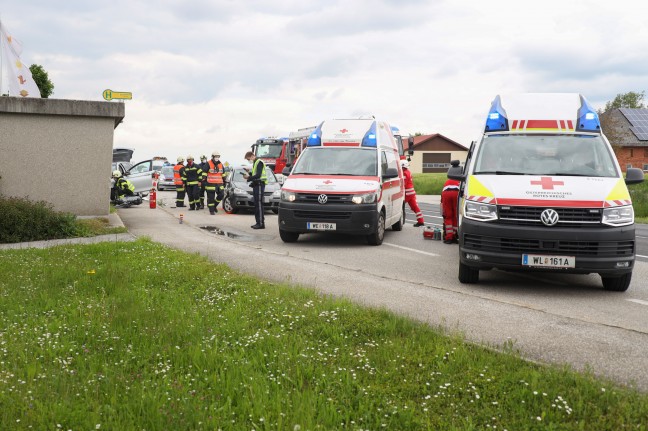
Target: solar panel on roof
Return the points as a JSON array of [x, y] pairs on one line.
[[638, 119]]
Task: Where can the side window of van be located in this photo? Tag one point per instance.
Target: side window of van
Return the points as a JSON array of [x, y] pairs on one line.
[[392, 161], [383, 163]]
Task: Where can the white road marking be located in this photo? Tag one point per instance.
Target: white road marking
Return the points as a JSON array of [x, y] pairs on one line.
[[411, 249], [641, 255], [638, 301], [643, 237]]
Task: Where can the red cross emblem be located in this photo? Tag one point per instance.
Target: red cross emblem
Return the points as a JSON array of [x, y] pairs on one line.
[[328, 182], [547, 183], [344, 130]]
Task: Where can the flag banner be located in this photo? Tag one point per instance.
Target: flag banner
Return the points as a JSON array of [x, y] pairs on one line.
[[20, 80]]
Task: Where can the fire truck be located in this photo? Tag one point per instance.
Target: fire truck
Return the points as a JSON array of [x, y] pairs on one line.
[[272, 151]]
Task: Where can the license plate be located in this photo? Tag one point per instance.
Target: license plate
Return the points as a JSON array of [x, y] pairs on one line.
[[544, 261], [320, 226], [267, 200]]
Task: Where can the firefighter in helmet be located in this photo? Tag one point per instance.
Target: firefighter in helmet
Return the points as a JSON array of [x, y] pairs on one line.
[[178, 174], [214, 182]]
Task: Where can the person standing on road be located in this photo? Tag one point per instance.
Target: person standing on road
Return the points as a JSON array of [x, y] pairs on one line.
[[258, 180], [449, 202], [214, 183], [193, 176], [410, 194], [178, 174], [204, 166]]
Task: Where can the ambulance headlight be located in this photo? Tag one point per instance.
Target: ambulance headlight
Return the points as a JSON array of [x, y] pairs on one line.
[[367, 198], [480, 211], [618, 216], [288, 196]]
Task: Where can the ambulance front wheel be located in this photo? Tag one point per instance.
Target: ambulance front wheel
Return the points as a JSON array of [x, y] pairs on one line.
[[468, 274], [617, 284], [398, 226], [288, 236], [377, 237]]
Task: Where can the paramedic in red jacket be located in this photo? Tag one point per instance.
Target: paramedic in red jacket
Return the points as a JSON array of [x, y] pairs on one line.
[[410, 194], [449, 198]]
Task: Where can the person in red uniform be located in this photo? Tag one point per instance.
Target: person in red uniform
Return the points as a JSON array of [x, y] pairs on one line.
[[449, 198], [410, 194]]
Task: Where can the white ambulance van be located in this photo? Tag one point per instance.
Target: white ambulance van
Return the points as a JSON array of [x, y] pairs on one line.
[[348, 179], [542, 191]]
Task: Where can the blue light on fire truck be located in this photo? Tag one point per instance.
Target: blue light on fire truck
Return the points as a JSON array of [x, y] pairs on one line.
[[587, 120], [369, 139], [496, 120]]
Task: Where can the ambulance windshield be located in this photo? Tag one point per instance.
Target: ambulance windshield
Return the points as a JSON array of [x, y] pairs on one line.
[[337, 161], [268, 150], [568, 155]]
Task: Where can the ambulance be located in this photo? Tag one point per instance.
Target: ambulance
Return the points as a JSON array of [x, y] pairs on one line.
[[348, 180], [542, 191]]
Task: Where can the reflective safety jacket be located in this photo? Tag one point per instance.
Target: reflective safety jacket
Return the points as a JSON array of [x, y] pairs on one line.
[[192, 174], [124, 187], [215, 172], [258, 173], [177, 174]]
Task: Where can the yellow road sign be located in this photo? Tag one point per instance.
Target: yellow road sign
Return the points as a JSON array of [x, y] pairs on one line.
[[110, 95]]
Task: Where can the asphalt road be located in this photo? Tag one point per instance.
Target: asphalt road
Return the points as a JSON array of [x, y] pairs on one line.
[[551, 318]]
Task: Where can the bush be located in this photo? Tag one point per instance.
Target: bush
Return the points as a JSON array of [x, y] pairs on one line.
[[639, 196], [429, 184], [24, 220]]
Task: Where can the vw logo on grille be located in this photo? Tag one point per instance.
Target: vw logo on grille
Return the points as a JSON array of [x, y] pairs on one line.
[[322, 199], [549, 217]]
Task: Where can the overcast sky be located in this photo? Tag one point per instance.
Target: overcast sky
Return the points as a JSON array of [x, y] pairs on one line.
[[219, 74]]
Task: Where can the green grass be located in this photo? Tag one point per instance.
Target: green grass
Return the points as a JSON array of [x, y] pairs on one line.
[[130, 336], [432, 184], [96, 226]]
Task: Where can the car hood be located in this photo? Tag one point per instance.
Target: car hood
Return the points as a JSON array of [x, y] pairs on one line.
[[556, 191], [244, 185]]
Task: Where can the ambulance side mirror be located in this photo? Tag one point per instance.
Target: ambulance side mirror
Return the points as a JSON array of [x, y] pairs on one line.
[[456, 173], [634, 176], [286, 171], [410, 145], [391, 173]]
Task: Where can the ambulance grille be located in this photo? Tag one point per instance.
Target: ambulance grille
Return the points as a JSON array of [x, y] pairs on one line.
[[321, 215], [572, 217], [333, 198], [570, 248]]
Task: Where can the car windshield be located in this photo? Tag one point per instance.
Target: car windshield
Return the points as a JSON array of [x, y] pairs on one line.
[[268, 150], [337, 161], [569, 155], [237, 175], [167, 171]]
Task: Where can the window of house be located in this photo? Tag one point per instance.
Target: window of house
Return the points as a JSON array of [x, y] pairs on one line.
[[631, 152]]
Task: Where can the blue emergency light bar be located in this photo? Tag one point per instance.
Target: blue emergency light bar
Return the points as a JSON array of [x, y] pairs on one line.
[[588, 119], [369, 139], [497, 120], [315, 138]]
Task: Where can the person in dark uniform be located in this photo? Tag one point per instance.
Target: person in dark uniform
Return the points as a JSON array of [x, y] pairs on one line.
[[193, 176], [258, 180], [204, 165]]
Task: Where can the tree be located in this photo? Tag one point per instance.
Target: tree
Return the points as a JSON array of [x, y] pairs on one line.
[[630, 99], [42, 80]]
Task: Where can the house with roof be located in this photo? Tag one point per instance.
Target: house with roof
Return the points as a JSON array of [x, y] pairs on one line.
[[433, 153], [627, 131]]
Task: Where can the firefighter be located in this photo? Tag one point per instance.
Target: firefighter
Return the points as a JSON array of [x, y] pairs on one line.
[[410, 194], [122, 186], [193, 175], [449, 199], [178, 174], [204, 166], [258, 180], [214, 183]]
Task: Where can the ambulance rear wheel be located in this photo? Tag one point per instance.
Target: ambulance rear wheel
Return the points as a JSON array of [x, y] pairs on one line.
[[617, 284], [287, 236], [398, 226], [468, 274], [377, 237]]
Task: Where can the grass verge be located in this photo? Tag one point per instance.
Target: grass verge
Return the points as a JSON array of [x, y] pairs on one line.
[[124, 336]]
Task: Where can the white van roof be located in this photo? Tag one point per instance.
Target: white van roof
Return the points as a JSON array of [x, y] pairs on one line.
[[355, 132], [542, 112]]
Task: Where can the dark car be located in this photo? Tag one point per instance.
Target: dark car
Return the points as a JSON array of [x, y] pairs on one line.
[[238, 193]]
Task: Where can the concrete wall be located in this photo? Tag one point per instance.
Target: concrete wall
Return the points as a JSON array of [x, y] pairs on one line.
[[58, 151]]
